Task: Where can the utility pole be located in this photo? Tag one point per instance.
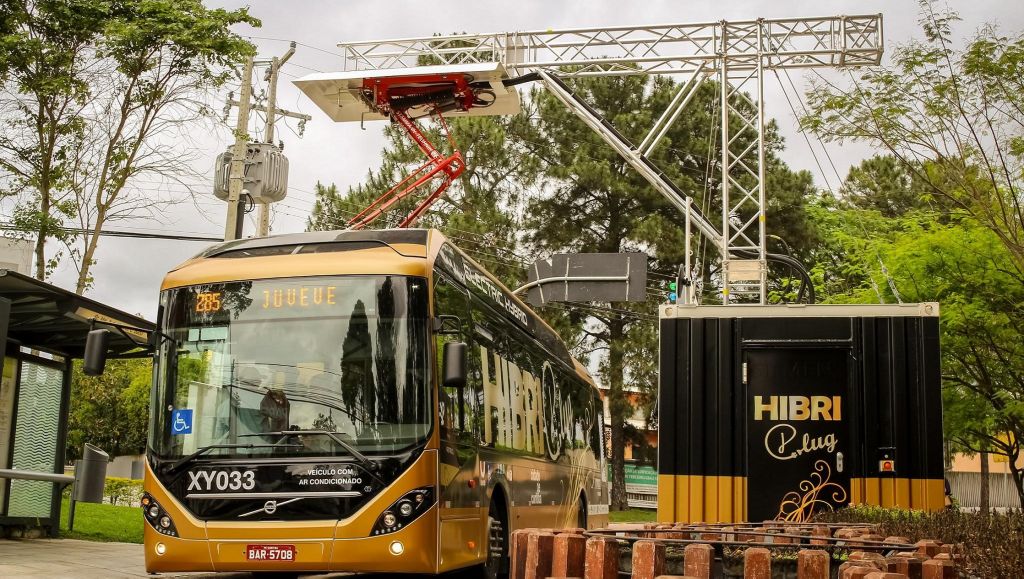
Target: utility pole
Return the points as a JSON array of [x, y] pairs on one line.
[[275, 65], [233, 226], [262, 164]]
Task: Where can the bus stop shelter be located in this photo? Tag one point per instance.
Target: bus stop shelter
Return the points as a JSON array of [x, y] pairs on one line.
[[44, 328]]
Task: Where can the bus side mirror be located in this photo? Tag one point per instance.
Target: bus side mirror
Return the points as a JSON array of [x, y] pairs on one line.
[[453, 364], [96, 345]]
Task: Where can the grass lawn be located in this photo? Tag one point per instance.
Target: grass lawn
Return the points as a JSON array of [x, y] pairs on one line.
[[633, 516], [103, 523]]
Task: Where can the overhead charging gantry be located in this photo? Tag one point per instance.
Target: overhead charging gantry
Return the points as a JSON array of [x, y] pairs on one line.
[[476, 75]]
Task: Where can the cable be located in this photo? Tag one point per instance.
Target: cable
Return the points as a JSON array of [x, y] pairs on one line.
[[806, 138], [302, 66], [325, 51], [117, 233], [803, 106]]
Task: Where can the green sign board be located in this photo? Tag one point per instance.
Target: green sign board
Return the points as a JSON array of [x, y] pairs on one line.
[[638, 475]]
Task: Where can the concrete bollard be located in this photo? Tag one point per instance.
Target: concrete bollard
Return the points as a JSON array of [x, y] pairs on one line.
[[602, 559], [570, 552], [539, 548], [757, 563], [847, 533], [675, 535], [575, 531], [812, 564], [938, 569], [908, 563], [517, 554], [698, 560], [928, 547], [875, 559], [648, 559], [855, 571], [820, 535]]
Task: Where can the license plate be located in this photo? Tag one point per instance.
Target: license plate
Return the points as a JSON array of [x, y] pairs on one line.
[[270, 552]]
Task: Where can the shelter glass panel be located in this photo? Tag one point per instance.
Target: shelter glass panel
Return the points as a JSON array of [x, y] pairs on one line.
[[35, 438]]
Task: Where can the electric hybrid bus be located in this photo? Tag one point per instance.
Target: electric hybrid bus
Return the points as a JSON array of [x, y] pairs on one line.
[[359, 401]]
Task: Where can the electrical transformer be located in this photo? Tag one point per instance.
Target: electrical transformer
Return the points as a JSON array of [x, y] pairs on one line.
[[266, 173]]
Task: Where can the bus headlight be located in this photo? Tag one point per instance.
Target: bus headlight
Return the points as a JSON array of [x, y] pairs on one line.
[[404, 511], [157, 517]]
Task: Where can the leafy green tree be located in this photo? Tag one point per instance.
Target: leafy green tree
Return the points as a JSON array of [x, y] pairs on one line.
[[97, 94], [42, 107], [112, 410], [963, 265], [952, 117]]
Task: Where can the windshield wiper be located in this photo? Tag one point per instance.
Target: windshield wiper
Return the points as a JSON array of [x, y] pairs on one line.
[[205, 449], [362, 458]]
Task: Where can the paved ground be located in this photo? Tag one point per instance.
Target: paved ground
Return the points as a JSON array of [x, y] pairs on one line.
[[73, 559], [87, 560]]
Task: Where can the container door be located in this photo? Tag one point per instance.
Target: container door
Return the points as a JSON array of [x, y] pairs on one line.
[[797, 432]]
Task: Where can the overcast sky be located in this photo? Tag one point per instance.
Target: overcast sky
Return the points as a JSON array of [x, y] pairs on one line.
[[128, 272]]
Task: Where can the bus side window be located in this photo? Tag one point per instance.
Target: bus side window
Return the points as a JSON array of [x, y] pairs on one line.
[[455, 403]]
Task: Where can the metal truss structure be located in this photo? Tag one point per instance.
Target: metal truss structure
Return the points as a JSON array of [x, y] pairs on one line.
[[736, 54]]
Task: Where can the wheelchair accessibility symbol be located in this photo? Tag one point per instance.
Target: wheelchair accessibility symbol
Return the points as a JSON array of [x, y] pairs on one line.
[[181, 421]]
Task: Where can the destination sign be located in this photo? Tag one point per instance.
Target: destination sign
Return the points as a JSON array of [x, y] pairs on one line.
[[208, 302], [298, 297], [273, 298]]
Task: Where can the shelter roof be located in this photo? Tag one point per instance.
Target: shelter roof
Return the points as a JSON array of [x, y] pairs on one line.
[[52, 319]]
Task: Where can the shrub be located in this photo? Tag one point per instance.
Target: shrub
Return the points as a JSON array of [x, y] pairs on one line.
[[992, 545], [123, 491]]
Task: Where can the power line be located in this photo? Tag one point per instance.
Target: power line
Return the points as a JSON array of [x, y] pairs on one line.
[[807, 139], [803, 106], [118, 233], [302, 66], [325, 51]]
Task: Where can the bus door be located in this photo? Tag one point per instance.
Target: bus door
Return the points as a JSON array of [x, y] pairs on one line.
[[462, 492], [798, 437]]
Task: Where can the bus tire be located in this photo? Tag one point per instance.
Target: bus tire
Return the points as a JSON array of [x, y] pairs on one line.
[[497, 541]]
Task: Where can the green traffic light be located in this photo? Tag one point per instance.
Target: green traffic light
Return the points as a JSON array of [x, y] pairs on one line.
[[672, 286]]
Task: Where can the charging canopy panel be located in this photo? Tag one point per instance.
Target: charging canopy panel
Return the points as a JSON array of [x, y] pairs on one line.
[[343, 95]]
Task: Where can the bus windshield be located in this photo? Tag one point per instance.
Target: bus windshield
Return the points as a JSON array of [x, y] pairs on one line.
[[341, 358]]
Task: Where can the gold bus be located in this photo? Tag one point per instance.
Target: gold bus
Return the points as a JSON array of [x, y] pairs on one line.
[[359, 401]]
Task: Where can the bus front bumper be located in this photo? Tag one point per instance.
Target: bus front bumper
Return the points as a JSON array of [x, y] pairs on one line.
[[409, 550]]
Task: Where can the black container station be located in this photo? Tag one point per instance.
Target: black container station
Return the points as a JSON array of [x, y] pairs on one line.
[[776, 412]]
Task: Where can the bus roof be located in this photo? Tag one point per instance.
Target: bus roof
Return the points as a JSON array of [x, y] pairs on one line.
[[401, 251]]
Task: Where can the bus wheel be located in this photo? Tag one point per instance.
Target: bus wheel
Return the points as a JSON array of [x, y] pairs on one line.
[[497, 543]]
